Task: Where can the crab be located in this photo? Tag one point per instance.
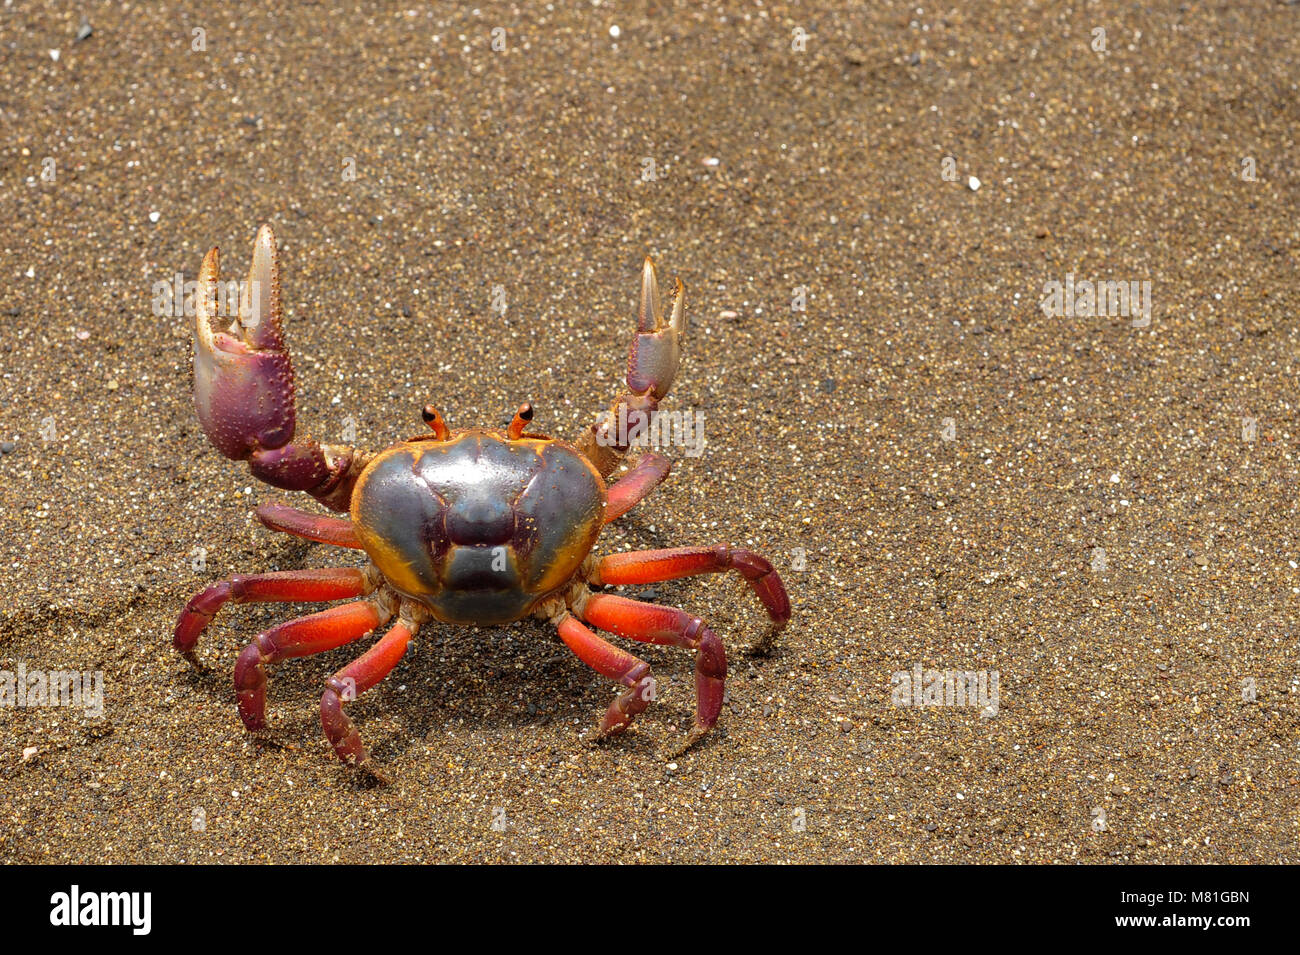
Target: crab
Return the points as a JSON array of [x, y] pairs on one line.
[[473, 527]]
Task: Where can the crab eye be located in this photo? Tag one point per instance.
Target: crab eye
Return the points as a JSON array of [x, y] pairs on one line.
[[521, 419], [434, 420]]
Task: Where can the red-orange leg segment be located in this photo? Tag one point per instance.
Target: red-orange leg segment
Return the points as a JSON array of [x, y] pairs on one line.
[[313, 527], [297, 638], [349, 683], [285, 586], [608, 660], [633, 486], [652, 566], [650, 623]]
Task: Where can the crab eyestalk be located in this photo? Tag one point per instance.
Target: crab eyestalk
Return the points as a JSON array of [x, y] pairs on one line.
[[520, 421], [244, 386], [433, 418], [652, 364]]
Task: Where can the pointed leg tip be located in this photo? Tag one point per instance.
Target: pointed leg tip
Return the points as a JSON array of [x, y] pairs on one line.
[[766, 643], [368, 773], [263, 738], [600, 735], [673, 750], [197, 665]]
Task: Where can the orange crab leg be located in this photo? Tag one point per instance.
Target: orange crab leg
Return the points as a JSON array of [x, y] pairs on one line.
[[315, 633], [650, 623], [608, 660], [633, 486], [652, 566], [312, 527], [353, 680], [284, 586]]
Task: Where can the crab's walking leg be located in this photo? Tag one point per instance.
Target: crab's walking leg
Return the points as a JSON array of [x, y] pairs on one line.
[[652, 566], [312, 527], [353, 680], [633, 486], [284, 586], [315, 633], [243, 387], [651, 367], [608, 660], [651, 623]]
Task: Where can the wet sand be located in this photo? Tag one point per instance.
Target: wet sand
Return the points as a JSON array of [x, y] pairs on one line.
[[1100, 514]]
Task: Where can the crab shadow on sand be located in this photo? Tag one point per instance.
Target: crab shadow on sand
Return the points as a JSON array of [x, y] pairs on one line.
[[491, 679]]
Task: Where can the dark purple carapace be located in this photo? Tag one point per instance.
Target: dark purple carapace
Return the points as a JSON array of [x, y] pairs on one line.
[[479, 526], [479, 529]]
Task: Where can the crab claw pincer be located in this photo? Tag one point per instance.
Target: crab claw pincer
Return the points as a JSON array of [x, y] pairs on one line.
[[243, 379], [657, 350], [651, 367], [243, 383]]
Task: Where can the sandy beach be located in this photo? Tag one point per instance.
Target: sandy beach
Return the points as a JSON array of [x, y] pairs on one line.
[[892, 221]]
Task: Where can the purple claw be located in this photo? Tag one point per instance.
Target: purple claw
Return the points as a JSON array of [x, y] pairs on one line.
[[243, 379], [657, 351], [243, 386], [651, 367]]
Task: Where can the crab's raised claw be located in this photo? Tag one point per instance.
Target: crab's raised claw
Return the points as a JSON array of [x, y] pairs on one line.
[[652, 364], [243, 378], [657, 350], [244, 389]]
